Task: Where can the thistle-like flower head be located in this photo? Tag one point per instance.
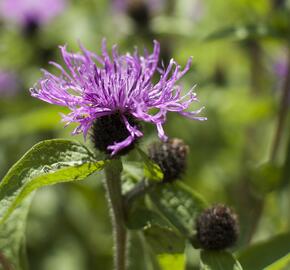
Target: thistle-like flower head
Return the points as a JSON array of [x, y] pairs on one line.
[[96, 86], [25, 12]]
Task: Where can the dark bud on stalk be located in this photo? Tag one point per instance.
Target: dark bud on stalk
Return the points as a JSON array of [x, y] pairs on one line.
[[171, 157], [111, 129], [219, 76], [138, 11], [217, 228], [31, 27]]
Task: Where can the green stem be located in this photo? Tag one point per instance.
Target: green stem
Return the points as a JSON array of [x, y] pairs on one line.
[[113, 186]]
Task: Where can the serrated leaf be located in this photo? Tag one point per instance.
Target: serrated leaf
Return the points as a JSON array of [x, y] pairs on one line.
[[151, 170], [268, 252], [179, 204], [12, 236], [218, 260], [46, 163], [171, 261]]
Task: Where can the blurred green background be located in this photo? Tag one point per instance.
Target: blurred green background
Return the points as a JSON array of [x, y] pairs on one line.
[[239, 51]]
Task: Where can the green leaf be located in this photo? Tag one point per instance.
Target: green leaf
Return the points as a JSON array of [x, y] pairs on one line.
[[12, 236], [268, 252], [140, 217], [164, 240], [133, 172], [218, 260], [171, 261], [179, 204], [151, 170], [282, 264], [46, 163], [140, 255]]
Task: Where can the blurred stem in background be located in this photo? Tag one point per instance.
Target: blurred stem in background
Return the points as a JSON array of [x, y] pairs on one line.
[[259, 201], [4, 263], [141, 14], [278, 4], [282, 114], [248, 203], [256, 67], [116, 204]]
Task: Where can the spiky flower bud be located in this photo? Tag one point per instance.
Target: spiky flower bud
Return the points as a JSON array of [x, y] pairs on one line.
[[217, 228], [111, 129], [171, 157]]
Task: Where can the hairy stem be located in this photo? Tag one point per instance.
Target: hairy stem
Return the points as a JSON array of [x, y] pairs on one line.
[[114, 191]]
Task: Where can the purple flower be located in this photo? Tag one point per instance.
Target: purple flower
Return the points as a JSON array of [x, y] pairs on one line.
[[25, 12], [9, 85], [96, 86], [280, 67]]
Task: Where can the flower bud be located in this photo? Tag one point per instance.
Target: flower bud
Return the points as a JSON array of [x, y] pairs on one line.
[[217, 228], [171, 158]]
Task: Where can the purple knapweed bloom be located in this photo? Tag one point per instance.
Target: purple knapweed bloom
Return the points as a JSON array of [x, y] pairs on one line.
[[9, 85], [96, 86], [25, 12]]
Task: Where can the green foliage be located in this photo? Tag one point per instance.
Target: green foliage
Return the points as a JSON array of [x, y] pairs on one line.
[[43, 119], [179, 204], [282, 264], [47, 163], [12, 236], [140, 217], [171, 261], [267, 177], [140, 254], [151, 170], [226, 152], [219, 260], [267, 252], [164, 240]]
